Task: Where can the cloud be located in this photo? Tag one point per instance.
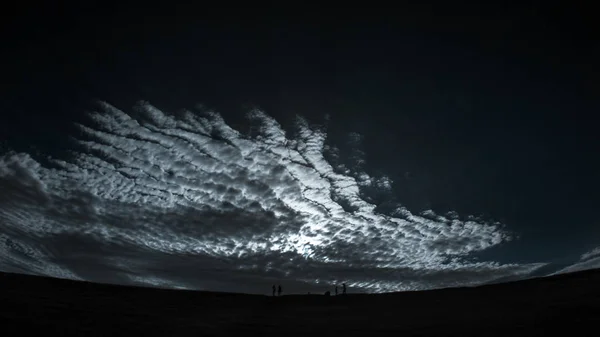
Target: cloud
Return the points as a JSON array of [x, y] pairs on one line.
[[591, 254], [588, 260], [184, 200]]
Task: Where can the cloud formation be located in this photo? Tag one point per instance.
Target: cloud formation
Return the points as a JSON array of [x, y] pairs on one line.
[[184, 200], [588, 260]]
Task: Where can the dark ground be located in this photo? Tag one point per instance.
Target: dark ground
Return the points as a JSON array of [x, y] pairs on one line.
[[565, 304]]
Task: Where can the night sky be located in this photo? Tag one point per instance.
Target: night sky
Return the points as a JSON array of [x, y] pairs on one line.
[[402, 149]]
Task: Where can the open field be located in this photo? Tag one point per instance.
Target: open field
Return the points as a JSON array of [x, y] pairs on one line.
[[568, 303]]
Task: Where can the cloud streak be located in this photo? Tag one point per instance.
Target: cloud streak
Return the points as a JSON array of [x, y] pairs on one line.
[[184, 200], [588, 260]]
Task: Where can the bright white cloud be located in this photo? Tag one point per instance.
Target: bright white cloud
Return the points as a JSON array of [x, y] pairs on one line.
[[157, 186]]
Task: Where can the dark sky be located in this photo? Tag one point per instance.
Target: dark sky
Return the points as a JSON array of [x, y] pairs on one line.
[[483, 110]]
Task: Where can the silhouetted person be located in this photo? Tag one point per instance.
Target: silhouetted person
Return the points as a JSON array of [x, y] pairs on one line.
[[344, 288], [279, 290], [327, 293], [273, 290], [336, 292]]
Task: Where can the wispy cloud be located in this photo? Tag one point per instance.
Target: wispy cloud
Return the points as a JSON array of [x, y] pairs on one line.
[[187, 201], [588, 260]]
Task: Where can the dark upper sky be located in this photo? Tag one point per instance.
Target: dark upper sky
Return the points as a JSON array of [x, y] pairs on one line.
[[483, 110]]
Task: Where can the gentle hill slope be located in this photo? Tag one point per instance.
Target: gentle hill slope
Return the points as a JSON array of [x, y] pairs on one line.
[[542, 306]]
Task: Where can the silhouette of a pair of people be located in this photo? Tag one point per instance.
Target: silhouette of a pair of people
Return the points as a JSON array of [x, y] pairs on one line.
[[278, 290], [343, 289]]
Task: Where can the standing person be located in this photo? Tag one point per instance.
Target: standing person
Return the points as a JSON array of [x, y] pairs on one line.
[[336, 292], [279, 290], [344, 288], [273, 290]]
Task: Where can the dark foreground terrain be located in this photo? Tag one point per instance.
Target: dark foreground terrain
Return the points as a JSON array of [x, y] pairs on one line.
[[566, 304]]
